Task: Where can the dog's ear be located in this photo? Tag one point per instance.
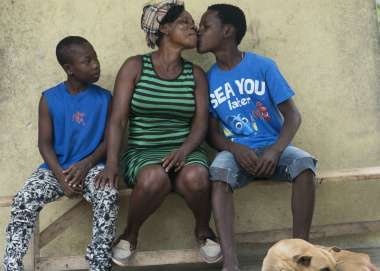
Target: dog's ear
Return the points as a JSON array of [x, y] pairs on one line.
[[336, 249], [303, 260]]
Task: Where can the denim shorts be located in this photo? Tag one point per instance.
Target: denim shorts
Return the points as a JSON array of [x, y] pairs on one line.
[[293, 162]]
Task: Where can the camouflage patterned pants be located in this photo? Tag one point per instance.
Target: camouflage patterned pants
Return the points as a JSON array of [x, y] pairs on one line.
[[41, 188]]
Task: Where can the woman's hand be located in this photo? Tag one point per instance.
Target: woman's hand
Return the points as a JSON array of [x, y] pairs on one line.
[[175, 159], [109, 176]]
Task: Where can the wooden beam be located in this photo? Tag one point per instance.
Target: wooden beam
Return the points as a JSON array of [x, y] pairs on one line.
[[33, 253], [352, 174], [61, 224], [316, 232], [168, 257], [6, 201], [143, 258]]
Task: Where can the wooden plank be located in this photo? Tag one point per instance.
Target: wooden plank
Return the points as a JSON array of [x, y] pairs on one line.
[[316, 232], [61, 224], [125, 192], [352, 174], [143, 258], [6, 201], [36, 244], [170, 257], [33, 253]]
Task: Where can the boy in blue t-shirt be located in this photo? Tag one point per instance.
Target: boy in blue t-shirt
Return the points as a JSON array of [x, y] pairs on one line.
[[71, 123], [253, 104]]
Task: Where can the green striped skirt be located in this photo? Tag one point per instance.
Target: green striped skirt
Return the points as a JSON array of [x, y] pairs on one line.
[[134, 159]]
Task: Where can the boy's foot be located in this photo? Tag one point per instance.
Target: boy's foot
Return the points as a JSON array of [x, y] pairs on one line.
[[122, 252], [210, 251]]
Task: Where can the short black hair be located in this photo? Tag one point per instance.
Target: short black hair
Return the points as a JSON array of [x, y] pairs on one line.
[[232, 15], [62, 49], [173, 13]]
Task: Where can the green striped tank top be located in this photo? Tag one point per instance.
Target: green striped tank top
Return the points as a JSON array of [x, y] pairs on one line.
[[160, 118]]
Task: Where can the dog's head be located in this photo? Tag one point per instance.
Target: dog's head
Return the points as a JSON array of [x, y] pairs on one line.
[[298, 255]]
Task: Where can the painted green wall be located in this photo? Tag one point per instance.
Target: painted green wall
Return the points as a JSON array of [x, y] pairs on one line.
[[328, 51]]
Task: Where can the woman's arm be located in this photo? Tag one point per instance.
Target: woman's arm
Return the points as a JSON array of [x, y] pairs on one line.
[[123, 90], [199, 124]]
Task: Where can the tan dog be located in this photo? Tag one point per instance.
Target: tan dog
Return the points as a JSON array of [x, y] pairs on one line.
[[298, 255], [350, 261]]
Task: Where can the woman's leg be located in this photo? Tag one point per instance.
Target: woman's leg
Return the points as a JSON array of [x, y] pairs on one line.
[[193, 184], [152, 186]]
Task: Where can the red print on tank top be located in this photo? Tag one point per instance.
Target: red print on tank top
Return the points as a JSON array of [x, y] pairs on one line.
[[78, 117]]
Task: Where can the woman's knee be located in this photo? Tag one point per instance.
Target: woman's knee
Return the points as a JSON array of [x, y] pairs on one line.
[[153, 180], [194, 179]]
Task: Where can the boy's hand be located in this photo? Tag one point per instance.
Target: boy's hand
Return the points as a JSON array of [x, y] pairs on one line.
[[76, 174], [175, 159], [246, 157], [267, 163], [67, 190], [108, 176]]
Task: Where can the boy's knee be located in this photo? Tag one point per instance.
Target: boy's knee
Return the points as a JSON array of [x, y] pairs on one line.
[[24, 201]]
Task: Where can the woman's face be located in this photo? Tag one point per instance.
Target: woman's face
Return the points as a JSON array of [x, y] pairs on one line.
[[183, 31]]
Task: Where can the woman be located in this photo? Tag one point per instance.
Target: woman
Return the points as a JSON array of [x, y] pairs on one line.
[[164, 99]]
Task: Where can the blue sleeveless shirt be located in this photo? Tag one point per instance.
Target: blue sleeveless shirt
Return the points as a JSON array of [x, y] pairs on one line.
[[78, 121], [245, 100]]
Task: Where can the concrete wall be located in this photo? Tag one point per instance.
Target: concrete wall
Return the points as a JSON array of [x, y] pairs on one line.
[[328, 51]]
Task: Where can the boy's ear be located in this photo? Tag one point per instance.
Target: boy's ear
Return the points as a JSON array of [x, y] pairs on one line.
[[228, 31], [67, 69], [302, 260]]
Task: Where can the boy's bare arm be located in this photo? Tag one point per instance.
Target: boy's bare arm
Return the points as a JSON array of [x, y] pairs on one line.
[[292, 121], [245, 156], [45, 146]]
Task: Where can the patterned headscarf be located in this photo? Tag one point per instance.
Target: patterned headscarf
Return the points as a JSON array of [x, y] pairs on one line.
[[153, 13]]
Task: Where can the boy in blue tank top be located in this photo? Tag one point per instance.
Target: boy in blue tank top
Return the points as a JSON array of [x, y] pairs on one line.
[[253, 104], [71, 123]]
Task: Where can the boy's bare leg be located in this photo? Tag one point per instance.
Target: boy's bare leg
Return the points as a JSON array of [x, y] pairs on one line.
[[303, 199], [223, 210]]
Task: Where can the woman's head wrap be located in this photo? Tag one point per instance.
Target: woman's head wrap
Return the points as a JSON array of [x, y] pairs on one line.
[[153, 13]]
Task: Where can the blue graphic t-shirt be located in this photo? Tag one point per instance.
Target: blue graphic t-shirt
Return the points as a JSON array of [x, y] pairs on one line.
[[245, 98], [79, 121]]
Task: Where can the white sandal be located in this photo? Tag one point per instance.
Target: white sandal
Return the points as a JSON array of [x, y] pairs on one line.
[[122, 252]]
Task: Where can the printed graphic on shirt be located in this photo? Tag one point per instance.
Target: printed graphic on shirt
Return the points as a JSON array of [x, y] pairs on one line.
[[227, 94], [261, 112], [78, 117], [245, 100]]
